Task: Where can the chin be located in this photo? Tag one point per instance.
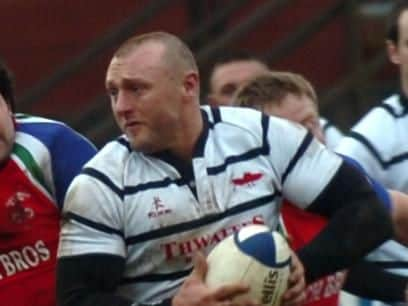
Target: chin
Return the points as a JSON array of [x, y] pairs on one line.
[[5, 152], [142, 147]]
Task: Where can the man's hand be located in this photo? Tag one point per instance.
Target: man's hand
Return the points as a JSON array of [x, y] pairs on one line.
[[295, 295], [194, 291]]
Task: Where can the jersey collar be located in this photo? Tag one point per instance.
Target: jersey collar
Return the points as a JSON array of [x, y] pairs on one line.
[[169, 158]]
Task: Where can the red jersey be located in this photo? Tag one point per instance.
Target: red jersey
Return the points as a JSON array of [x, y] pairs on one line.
[[29, 238], [302, 227], [33, 183]]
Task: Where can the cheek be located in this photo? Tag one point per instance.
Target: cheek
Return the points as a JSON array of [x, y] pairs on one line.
[[7, 131]]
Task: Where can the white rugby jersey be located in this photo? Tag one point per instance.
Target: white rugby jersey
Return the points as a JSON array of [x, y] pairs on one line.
[[379, 142], [156, 215], [332, 134]]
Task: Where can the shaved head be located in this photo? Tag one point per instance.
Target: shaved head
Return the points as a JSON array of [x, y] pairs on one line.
[[176, 55]]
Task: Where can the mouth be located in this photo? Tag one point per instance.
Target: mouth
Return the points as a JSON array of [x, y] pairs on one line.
[[132, 126], [131, 123]]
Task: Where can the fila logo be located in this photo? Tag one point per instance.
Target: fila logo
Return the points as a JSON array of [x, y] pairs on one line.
[[247, 179], [158, 208]]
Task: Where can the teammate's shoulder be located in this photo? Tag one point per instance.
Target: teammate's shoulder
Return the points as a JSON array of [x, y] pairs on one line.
[[396, 105]]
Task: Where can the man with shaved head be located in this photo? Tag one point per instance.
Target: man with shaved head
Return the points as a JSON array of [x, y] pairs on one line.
[[165, 192]]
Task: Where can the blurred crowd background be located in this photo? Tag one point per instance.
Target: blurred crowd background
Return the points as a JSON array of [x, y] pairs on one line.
[[59, 50]]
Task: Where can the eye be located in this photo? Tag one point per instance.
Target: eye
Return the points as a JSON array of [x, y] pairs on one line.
[[228, 89], [135, 89], [112, 93]]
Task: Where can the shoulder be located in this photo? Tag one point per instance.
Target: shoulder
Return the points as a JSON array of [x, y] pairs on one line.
[[390, 114], [47, 131], [35, 124], [110, 161], [246, 121], [389, 111]]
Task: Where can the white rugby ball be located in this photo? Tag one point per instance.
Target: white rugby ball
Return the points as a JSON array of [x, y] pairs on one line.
[[255, 256]]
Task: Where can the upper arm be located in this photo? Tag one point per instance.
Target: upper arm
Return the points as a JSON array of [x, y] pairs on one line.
[[303, 164], [70, 151], [92, 218]]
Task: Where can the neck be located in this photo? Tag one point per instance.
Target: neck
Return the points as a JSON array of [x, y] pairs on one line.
[[404, 87], [190, 131]]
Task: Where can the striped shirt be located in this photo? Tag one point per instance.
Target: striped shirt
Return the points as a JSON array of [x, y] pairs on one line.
[[156, 213], [332, 135], [379, 142]]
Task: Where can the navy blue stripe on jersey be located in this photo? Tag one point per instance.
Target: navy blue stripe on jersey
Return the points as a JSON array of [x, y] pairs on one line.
[[154, 184], [251, 154], [403, 100], [187, 226], [302, 149], [216, 114], [104, 179], [202, 139], [124, 143], [384, 163], [156, 277], [265, 128], [95, 225], [389, 109], [263, 150], [61, 151]]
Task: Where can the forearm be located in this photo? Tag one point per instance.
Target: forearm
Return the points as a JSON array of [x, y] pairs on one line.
[[90, 280], [346, 240], [359, 222], [370, 281]]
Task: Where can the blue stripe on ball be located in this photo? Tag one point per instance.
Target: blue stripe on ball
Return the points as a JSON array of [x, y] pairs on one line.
[[261, 246]]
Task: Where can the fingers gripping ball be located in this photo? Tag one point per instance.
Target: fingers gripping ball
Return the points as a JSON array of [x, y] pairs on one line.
[[255, 256]]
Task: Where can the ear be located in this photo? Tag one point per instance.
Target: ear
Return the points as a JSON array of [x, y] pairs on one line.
[[191, 84], [393, 52]]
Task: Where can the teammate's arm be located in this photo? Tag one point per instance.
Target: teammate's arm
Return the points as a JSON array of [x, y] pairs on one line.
[[65, 164]]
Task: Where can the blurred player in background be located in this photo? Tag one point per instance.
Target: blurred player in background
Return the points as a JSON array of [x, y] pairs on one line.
[[183, 177], [38, 160], [233, 70], [379, 141], [289, 95], [229, 72]]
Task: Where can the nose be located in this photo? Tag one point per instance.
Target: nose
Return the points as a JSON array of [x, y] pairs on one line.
[[123, 102]]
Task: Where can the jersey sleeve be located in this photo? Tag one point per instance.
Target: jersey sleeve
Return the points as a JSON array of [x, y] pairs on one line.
[[69, 151], [92, 217], [304, 165]]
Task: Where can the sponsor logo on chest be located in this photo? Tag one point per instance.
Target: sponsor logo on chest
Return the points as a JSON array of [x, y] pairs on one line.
[[23, 259]]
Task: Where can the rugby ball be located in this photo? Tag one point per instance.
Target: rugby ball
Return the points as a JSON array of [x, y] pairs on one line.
[[255, 256]]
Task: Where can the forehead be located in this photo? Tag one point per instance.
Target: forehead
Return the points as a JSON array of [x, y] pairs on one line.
[[293, 107], [144, 61], [403, 23], [237, 72]]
